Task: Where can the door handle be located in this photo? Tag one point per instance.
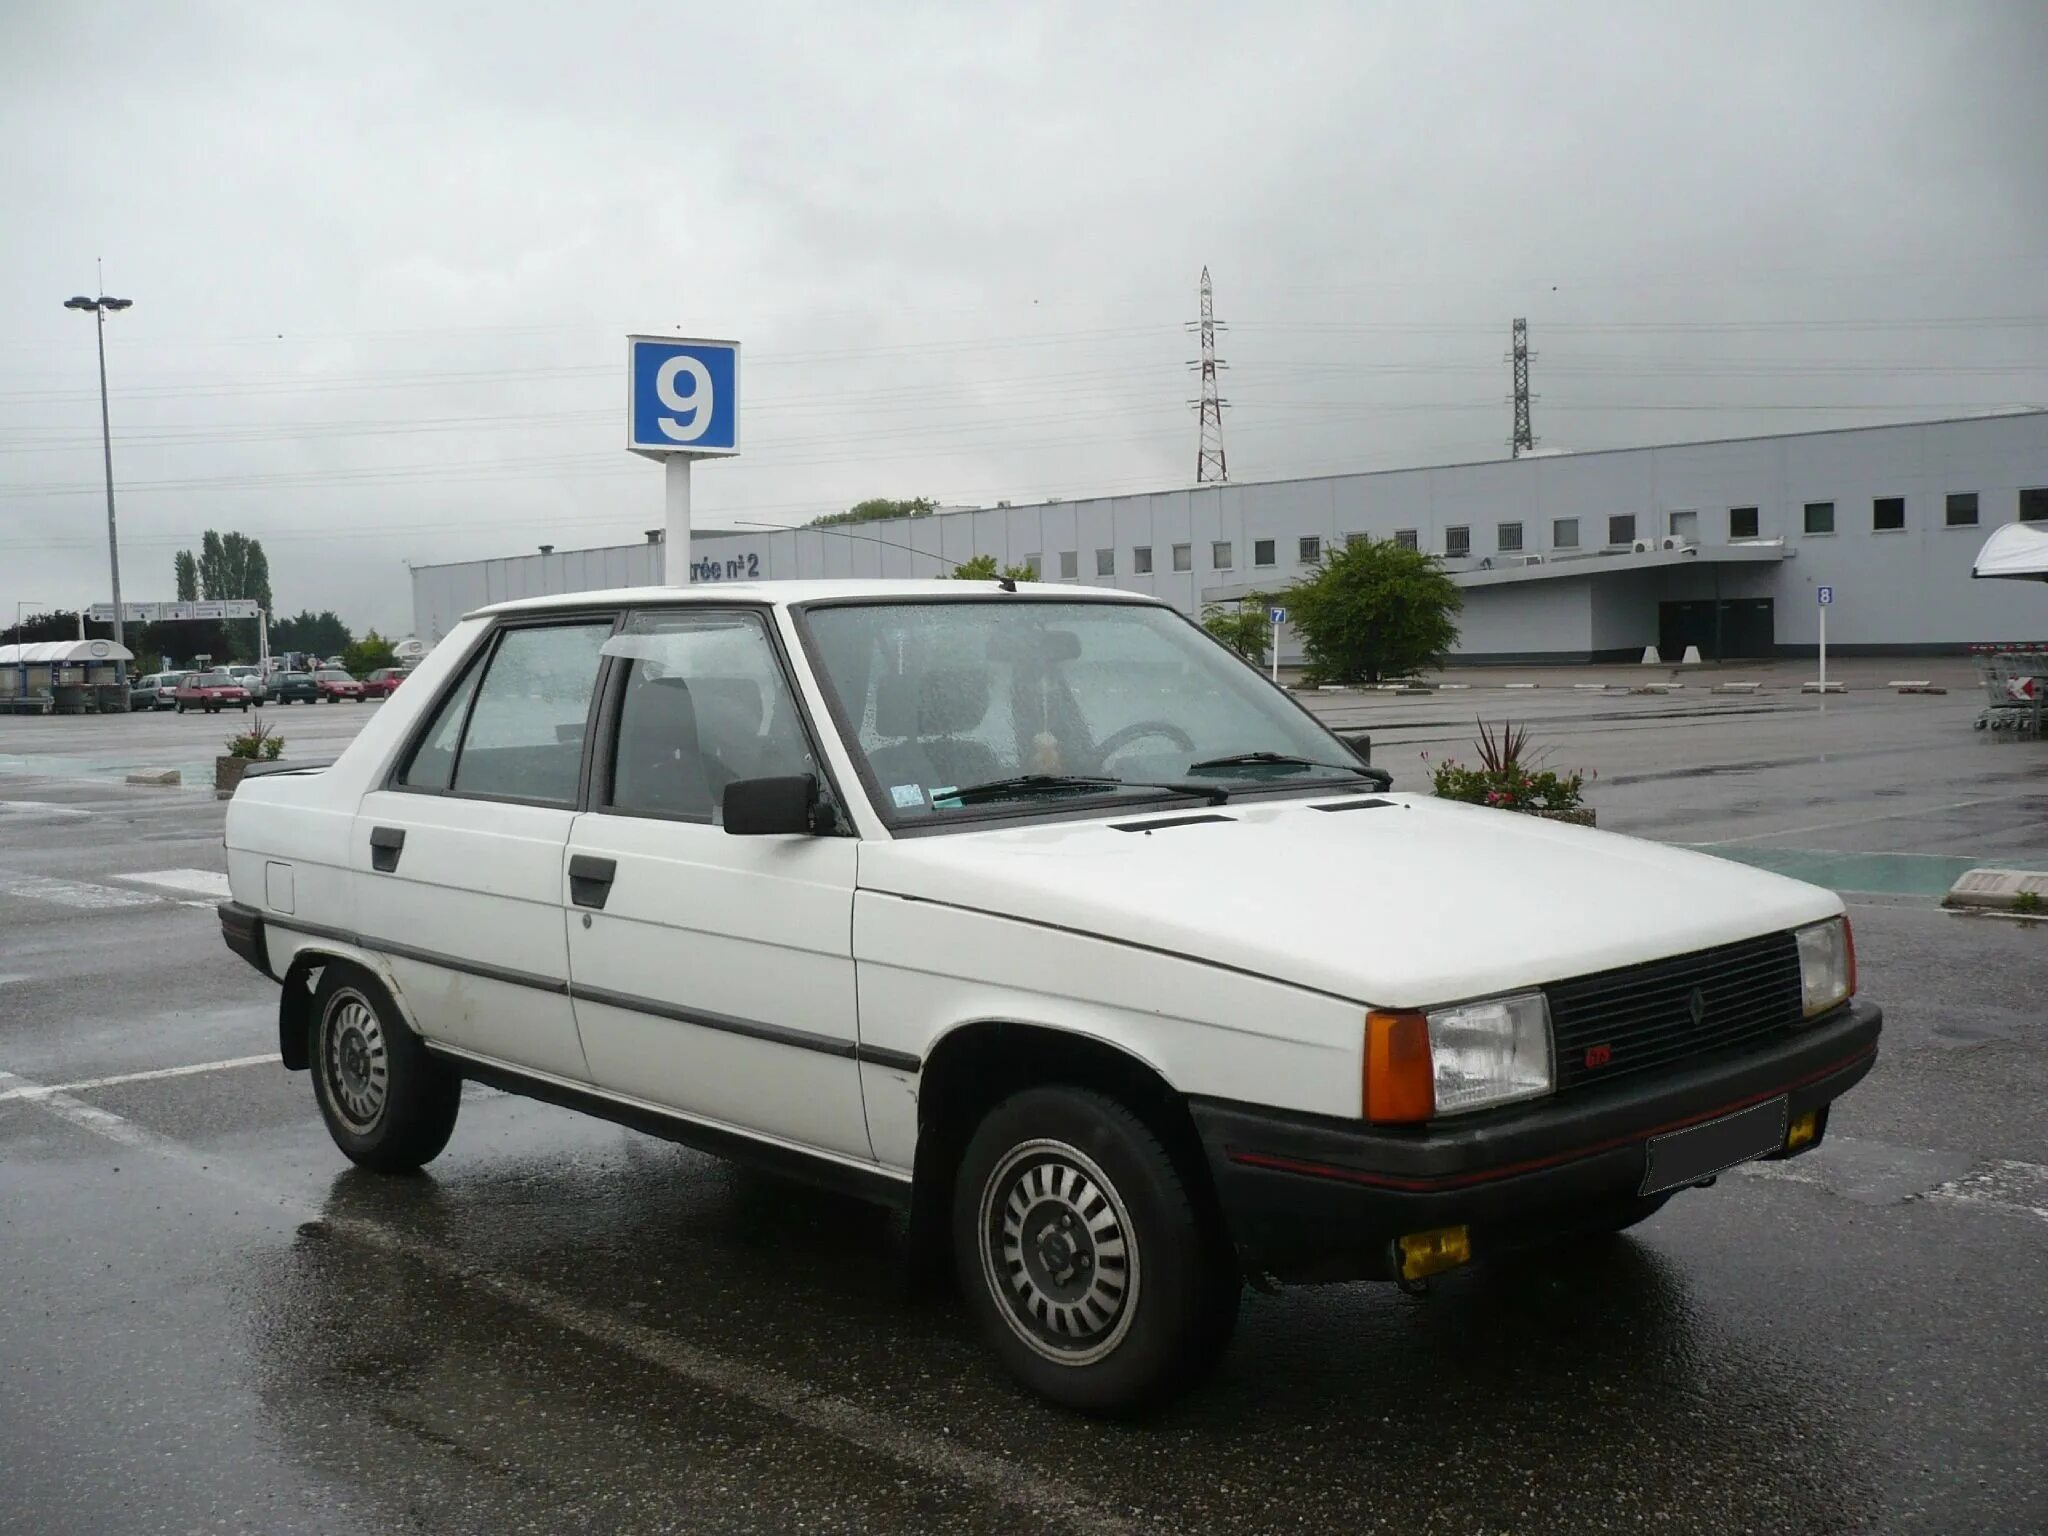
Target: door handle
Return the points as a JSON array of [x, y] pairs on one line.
[[590, 879], [386, 844]]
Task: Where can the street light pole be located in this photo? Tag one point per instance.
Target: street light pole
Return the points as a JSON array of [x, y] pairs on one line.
[[99, 307]]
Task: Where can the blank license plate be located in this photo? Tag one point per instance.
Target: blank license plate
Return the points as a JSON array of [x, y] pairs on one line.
[[1701, 1151]]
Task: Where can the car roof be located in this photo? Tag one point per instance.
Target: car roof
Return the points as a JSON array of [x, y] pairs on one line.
[[791, 593]]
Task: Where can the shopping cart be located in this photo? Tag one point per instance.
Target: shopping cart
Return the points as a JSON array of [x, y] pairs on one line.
[[2015, 681]]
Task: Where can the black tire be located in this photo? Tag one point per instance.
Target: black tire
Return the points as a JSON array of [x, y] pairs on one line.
[[1127, 1295], [245, 709], [395, 1122]]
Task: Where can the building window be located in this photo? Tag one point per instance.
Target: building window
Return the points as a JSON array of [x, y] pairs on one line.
[[1962, 509], [1888, 514], [1353, 540], [1262, 552], [1220, 557], [1183, 557], [1564, 533], [1034, 566], [1621, 529], [1742, 522], [1684, 525], [1141, 560], [1820, 517], [1404, 538], [1509, 538], [1311, 551], [1105, 562], [1070, 564], [2034, 505], [1457, 541]]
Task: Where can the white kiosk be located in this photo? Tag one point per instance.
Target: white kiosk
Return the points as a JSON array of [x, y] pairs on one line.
[[682, 404]]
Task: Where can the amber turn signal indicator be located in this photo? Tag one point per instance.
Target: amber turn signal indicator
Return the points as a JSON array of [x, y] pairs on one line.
[[1431, 1253], [1399, 1085], [1803, 1129]]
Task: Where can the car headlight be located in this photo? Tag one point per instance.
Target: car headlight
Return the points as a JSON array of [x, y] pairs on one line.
[[1827, 965], [1445, 1062]]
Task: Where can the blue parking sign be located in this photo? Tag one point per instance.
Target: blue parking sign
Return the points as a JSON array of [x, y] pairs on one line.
[[683, 396], [1827, 597], [1277, 615]]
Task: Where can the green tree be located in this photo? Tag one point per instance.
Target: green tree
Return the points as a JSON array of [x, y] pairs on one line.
[[1244, 628], [187, 571], [876, 509], [1374, 610], [367, 655], [321, 633], [983, 568], [230, 567]]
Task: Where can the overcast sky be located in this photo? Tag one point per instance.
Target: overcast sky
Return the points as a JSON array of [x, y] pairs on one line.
[[383, 255]]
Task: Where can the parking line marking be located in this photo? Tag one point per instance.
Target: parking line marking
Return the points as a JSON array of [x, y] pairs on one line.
[[40, 809], [199, 882], [1860, 821], [986, 1473], [73, 893], [40, 1090]]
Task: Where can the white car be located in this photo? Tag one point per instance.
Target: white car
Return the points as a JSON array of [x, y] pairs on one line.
[[1036, 911]]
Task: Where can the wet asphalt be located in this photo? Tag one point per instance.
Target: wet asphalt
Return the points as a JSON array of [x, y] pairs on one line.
[[210, 1323]]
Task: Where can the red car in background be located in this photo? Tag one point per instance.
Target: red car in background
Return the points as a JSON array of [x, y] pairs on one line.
[[212, 692], [334, 684], [383, 682]]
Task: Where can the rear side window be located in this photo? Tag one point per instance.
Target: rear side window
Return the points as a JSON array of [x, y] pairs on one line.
[[433, 760], [524, 740]]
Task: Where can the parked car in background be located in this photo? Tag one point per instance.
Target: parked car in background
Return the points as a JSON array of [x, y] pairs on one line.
[[252, 679], [295, 688], [159, 690], [383, 682], [1042, 915], [334, 684], [211, 691]]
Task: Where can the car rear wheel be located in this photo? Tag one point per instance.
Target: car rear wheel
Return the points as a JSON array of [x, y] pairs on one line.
[[388, 1104], [1084, 1256]]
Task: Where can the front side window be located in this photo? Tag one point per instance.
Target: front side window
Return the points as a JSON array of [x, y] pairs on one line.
[[1510, 538], [1220, 557], [937, 698], [1962, 509], [1742, 522], [524, 740], [1457, 541], [1564, 533], [1141, 560], [704, 702], [1183, 557], [1621, 529]]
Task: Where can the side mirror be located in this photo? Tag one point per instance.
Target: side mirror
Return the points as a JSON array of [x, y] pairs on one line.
[[771, 807], [1359, 742]]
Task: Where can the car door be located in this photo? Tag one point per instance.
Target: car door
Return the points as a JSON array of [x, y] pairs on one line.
[[457, 858], [713, 974]]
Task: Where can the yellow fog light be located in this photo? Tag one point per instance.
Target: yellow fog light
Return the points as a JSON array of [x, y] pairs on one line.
[[1804, 1128], [1431, 1253]]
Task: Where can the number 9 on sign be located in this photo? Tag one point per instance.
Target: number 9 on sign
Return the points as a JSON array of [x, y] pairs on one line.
[[683, 396]]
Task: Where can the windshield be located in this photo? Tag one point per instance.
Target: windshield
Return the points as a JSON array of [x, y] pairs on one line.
[[334, 677], [215, 680], [938, 697]]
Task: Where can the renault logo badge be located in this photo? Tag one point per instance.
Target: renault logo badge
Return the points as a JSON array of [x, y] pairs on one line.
[[1696, 1005]]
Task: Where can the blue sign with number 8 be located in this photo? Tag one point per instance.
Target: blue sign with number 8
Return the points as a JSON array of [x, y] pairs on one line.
[[684, 396]]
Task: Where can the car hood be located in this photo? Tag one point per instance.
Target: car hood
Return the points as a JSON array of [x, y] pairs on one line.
[[1408, 902]]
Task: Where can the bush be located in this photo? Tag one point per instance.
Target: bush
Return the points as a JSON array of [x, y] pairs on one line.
[[1374, 610], [259, 743], [1507, 776], [983, 568], [1245, 629]]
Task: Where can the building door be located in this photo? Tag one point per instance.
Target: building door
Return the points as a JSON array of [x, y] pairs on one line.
[[1682, 624], [1747, 631]]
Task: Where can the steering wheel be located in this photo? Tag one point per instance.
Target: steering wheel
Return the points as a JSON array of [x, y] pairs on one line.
[[1138, 730]]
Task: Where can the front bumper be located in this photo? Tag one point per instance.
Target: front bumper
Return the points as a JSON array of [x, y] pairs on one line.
[[1311, 1197]]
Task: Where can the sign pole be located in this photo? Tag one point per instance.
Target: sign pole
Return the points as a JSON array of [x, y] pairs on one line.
[[1824, 648], [1276, 647], [675, 538]]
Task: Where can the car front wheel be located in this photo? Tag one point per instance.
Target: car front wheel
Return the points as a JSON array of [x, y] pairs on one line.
[[1084, 1255], [388, 1104]]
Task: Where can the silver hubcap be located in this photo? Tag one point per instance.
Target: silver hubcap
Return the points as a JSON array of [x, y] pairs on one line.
[[353, 1061], [1058, 1252]]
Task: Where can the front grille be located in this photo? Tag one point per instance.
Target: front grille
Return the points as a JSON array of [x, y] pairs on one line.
[[1642, 1016]]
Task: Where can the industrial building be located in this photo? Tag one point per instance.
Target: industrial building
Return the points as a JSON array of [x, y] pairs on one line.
[[1562, 556]]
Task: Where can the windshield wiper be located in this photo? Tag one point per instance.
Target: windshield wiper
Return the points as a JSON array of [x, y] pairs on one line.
[[1379, 776], [1026, 784]]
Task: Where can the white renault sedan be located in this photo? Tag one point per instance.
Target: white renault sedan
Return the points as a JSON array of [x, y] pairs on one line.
[[1036, 911]]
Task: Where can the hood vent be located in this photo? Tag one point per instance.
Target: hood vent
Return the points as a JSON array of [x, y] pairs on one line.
[[1352, 805], [1169, 821]]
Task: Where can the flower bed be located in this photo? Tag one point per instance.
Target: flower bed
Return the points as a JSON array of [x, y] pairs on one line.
[[1508, 778]]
